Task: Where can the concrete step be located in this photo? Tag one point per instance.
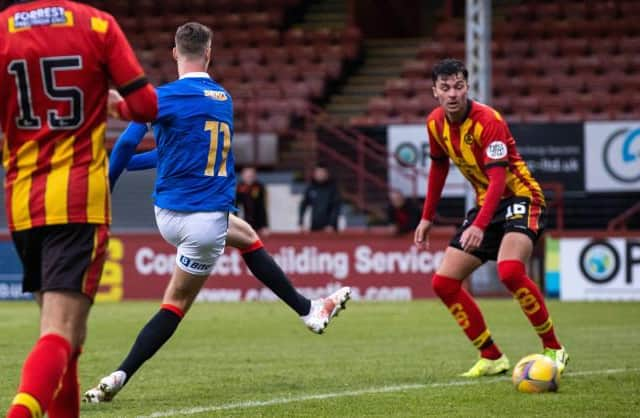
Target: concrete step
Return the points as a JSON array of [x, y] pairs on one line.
[[362, 89], [328, 7], [364, 79], [361, 100], [379, 71], [324, 17], [394, 42], [344, 107], [352, 98]]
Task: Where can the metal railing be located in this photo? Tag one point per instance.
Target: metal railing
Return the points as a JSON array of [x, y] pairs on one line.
[[620, 221], [367, 155]]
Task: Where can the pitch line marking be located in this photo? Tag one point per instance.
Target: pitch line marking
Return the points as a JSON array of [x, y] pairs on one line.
[[368, 391]]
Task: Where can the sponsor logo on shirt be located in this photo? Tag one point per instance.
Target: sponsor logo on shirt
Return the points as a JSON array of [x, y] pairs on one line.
[[40, 17], [497, 150], [216, 95]]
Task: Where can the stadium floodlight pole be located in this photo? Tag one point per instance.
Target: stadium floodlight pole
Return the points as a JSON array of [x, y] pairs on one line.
[[478, 60], [478, 47]]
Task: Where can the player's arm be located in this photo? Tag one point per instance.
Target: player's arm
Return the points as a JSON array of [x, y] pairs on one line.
[[139, 101], [497, 182], [437, 177], [496, 159], [143, 161], [124, 149]]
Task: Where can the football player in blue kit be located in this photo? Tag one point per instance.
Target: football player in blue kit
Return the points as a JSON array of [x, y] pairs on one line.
[[193, 198]]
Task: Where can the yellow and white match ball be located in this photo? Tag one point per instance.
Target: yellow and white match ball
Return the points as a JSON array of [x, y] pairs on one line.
[[536, 373]]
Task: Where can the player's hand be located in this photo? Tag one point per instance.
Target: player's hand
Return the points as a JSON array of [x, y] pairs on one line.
[[329, 228], [421, 236], [112, 103], [471, 238]]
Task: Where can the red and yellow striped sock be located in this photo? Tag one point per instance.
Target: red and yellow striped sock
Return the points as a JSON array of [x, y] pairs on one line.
[[513, 274], [66, 404], [467, 314], [41, 377]]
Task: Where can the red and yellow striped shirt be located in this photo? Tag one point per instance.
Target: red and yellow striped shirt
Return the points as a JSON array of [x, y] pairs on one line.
[[482, 140], [56, 59]]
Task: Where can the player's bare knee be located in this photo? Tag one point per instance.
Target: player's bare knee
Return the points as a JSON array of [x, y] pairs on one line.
[[240, 233]]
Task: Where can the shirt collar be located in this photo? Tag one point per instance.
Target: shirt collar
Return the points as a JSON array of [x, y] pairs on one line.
[[195, 74]]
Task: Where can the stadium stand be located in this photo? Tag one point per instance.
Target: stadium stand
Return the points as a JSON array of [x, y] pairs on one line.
[[257, 56], [552, 62]]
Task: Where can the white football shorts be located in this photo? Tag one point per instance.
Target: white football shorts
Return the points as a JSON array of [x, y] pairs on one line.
[[199, 237]]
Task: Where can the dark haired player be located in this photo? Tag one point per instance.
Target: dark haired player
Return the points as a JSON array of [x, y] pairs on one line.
[[504, 226], [56, 59]]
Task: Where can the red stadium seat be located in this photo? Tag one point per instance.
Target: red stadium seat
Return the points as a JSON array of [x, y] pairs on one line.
[[231, 21], [589, 64], [519, 49], [294, 36], [574, 10], [224, 56], [228, 73], [322, 37], [250, 55], [408, 106], [449, 31], [162, 40], [432, 51], [265, 37], [257, 20], [256, 73], [351, 35], [526, 104], [540, 84], [363, 120], [604, 47], [237, 38], [289, 72], [297, 106], [604, 10], [574, 47], [536, 117], [298, 89], [397, 87], [555, 103], [630, 45], [379, 106], [422, 85], [330, 52], [276, 55], [502, 104], [415, 69]]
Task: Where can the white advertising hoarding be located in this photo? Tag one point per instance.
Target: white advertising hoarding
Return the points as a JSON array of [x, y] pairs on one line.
[[612, 156], [408, 147], [599, 269]]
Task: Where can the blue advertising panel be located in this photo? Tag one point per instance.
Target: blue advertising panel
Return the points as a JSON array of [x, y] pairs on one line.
[[11, 273]]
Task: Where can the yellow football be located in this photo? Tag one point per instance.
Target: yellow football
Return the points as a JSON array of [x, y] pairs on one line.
[[536, 373]]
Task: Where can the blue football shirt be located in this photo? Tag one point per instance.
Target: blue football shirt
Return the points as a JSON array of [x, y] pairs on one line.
[[193, 133]]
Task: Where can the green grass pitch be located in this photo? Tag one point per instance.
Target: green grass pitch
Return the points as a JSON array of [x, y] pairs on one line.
[[376, 359]]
